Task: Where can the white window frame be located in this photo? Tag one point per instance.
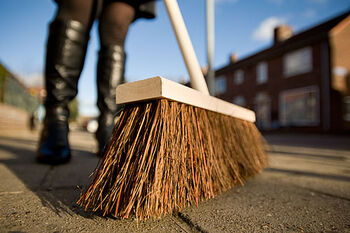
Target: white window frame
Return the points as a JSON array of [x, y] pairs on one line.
[[282, 113], [298, 62], [238, 77], [261, 72]]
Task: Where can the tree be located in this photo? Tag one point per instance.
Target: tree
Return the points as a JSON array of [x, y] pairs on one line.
[[74, 109]]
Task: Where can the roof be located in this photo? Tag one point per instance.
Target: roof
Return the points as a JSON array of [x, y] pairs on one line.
[[303, 38]]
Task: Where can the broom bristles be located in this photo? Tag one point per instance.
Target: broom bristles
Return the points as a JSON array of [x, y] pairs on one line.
[[165, 155]]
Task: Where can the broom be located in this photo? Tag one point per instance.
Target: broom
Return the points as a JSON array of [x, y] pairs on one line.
[[173, 146]]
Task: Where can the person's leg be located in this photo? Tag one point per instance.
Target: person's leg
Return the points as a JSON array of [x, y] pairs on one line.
[[76, 10], [114, 23], [113, 27], [65, 54]]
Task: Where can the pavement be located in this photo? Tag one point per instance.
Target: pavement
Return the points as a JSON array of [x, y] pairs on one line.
[[306, 188]]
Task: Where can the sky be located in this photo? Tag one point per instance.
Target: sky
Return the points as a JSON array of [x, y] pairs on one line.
[[243, 27]]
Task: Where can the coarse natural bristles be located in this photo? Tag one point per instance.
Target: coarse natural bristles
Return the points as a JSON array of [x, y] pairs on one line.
[[165, 155]]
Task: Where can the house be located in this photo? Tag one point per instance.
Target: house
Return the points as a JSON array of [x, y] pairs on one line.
[[300, 83]]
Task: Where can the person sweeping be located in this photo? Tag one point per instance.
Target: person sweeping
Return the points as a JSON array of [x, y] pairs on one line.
[[65, 54]]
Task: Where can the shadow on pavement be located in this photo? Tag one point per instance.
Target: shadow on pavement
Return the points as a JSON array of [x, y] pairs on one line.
[[309, 174], [327, 194], [309, 155], [58, 187], [316, 141]]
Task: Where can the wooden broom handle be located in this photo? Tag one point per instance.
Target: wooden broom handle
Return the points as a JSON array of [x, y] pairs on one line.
[[184, 42]]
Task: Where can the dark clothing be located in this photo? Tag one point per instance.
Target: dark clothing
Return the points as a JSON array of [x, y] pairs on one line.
[[143, 8]]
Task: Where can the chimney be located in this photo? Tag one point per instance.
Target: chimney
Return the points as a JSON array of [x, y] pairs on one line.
[[282, 32], [233, 58], [204, 70]]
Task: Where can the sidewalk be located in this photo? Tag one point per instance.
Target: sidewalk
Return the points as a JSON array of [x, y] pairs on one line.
[[306, 188]]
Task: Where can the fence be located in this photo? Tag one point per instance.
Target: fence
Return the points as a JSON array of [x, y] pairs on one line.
[[14, 93]]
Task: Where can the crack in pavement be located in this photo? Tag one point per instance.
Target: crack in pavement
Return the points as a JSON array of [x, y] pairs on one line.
[[185, 219], [47, 177]]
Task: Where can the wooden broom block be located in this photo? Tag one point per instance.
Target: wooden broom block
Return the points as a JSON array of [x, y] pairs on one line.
[[161, 88]]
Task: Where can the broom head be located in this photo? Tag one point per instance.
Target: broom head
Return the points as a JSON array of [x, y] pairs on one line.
[[172, 147]]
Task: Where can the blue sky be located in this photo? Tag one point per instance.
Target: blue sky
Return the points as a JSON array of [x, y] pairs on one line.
[[241, 26]]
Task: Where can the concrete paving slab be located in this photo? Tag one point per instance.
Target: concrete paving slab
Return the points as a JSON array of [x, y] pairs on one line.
[[76, 173], [44, 212], [17, 159], [270, 204], [9, 182]]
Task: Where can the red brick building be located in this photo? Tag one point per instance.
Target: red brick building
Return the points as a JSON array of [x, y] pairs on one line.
[[300, 83]]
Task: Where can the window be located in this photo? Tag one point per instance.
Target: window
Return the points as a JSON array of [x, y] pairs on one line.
[[261, 72], [220, 85], [340, 79], [299, 107], [340, 71], [297, 62], [263, 110], [239, 100], [346, 112], [238, 77]]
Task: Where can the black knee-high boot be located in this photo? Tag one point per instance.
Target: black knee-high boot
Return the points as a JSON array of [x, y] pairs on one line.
[[65, 54], [110, 73]]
